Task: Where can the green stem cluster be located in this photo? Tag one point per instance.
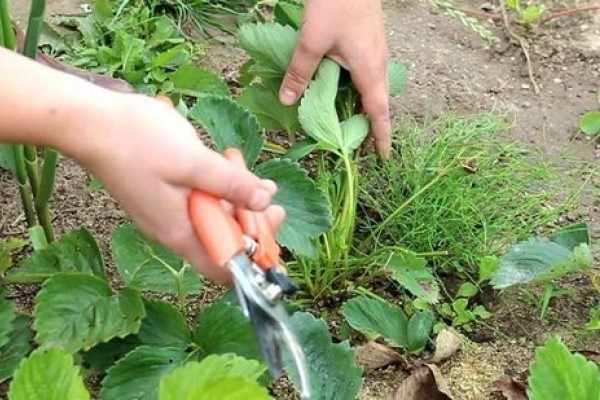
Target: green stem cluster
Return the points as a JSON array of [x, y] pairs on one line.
[[35, 188]]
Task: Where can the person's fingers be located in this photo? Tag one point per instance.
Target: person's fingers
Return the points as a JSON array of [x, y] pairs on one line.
[[305, 62], [215, 175], [276, 216], [371, 82], [194, 252]]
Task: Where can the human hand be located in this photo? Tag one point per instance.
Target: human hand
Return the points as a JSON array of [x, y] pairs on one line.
[[351, 32], [150, 158]]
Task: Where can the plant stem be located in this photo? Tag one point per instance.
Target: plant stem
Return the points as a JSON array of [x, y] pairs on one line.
[[563, 13], [24, 188], [8, 33], [45, 191]]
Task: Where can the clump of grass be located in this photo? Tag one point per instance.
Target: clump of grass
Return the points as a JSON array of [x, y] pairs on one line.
[[456, 188]]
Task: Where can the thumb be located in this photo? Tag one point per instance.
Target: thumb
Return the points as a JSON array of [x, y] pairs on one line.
[[216, 175], [304, 63]]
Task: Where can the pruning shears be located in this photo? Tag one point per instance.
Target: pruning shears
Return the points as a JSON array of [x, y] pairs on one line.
[[245, 244]]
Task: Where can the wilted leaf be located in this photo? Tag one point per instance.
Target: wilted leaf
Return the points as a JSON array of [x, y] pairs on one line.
[[215, 377], [446, 344], [397, 77], [374, 355], [48, 375], [76, 251], [222, 328], [557, 374], [271, 44], [7, 247], [412, 274], [229, 125], [426, 383], [539, 259], [333, 372], [377, 317], [308, 212], [196, 81], [511, 388], [16, 348], [146, 265], [138, 374], [262, 99], [76, 311], [317, 112]]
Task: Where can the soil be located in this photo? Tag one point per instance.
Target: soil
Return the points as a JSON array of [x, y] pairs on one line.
[[451, 70]]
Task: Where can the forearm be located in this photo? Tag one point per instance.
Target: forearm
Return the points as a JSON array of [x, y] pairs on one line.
[[42, 106]]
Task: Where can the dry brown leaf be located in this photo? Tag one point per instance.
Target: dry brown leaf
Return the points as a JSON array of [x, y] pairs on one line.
[[426, 383], [374, 355], [512, 388], [446, 344]]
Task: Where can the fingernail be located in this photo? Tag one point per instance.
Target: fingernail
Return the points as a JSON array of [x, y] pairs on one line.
[[383, 150], [287, 97], [259, 200]]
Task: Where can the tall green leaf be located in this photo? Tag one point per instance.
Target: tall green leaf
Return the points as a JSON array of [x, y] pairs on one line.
[[333, 372], [412, 274], [376, 318], [16, 348], [539, 259], [138, 374], [146, 265], [76, 311], [308, 212], [271, 44], [196, 81], [229, 125], [262, 99], [225, 377], [48, 375], [557, 374], [317, 113], [222, 328], [76, 251]]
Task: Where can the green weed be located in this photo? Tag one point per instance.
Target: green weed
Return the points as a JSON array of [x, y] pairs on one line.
[[456, 189]]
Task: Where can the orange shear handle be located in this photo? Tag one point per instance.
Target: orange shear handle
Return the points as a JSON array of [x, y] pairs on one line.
[[223, 235]]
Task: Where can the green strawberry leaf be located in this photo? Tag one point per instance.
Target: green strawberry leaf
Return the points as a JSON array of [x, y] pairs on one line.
[[146, 265], [539, 259], [7, 316], [317, 112], [222, 328], [195, 81], [571, 236], [333, 372], [138, 374], [163, 325], [76, 311], [270, 44], [418, 330], [412, 274], [397, 77], [77, 251], [48, 375], [557, 374], [590, 123], [16, 348], [105, 355], [6, 248], [7, 158], [289, 13], [354, 131], [223, 377], [262, 99], [308, 212], [229, 125], [376, 318]]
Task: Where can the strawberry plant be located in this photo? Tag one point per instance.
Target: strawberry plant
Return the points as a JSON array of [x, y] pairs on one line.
[[589, 123], [140, 346]]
